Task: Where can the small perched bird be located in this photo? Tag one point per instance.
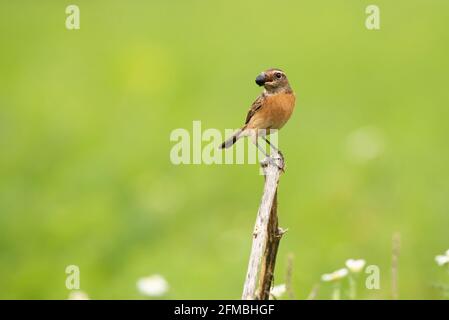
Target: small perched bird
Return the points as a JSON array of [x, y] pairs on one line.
[[271, 110]]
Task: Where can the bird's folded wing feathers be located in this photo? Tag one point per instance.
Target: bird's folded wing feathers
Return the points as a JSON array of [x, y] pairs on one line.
[[254, 108]]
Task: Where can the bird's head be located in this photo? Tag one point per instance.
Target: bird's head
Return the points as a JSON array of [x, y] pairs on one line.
[[273, 80]]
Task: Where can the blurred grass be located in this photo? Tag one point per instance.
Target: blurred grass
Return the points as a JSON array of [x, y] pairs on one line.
[[85, 118]]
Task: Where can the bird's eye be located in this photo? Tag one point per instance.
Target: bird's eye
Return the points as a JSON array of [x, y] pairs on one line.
[[278, 75]]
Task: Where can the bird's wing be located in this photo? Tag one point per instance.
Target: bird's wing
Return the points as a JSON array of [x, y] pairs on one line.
[[257, 104]]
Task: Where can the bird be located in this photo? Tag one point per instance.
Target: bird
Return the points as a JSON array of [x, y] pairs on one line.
[[270, 111]]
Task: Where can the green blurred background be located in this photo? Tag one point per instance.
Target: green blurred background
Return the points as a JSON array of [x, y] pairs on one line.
[[85, 119]]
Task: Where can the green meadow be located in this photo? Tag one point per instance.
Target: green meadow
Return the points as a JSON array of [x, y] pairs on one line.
[[86, 117]]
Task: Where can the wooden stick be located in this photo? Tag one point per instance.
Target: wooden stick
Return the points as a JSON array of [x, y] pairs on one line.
[[266, 236]]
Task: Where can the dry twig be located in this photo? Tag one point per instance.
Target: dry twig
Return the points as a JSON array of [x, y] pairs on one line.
[[266, 236]]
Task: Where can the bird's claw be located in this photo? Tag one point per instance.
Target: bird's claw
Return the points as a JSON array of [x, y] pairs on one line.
[[279, 162], [277, 159]]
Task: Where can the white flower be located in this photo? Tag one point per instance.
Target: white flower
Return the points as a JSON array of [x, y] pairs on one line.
[[442, 260], [278, 291], [336, 275], [78, 295], [355, 265], [153, 286]]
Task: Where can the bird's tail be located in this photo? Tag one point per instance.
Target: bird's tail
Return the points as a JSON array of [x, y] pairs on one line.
[[233, 139]]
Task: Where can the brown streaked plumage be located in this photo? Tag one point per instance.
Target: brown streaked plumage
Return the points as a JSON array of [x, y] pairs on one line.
[[271, 110]]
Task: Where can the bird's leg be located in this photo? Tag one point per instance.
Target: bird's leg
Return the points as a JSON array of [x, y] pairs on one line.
[[255, 140], [259, 147], [275, 149], [272, 146], [278, 161]]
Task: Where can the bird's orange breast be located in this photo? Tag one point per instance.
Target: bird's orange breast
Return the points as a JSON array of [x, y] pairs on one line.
[[275, 112]]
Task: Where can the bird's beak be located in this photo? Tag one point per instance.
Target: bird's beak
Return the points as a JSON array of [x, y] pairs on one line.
[[260, 80]]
